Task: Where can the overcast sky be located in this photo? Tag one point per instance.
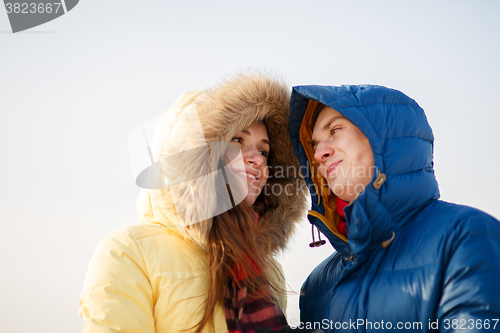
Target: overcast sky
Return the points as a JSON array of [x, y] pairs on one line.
[[73, 89]]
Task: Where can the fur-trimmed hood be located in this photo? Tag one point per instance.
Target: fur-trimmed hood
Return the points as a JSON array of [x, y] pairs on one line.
[[186, 154]]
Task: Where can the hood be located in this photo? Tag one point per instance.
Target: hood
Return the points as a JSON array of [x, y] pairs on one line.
[[188, 131], [402, 144]]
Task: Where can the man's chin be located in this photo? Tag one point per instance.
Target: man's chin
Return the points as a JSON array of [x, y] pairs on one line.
[[337, 189]]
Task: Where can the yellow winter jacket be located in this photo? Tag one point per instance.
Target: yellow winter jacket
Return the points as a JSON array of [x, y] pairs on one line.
[[152, 277]]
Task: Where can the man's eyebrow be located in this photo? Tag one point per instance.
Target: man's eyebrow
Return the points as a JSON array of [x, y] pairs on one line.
[[332, 119]]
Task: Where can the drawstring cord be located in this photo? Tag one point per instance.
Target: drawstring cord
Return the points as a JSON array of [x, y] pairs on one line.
[[315, 243]]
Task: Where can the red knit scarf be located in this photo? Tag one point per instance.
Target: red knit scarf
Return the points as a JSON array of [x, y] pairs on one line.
[[342, 225], [246, 310]]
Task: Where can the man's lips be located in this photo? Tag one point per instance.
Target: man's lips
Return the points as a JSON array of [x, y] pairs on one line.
[[332, 167]]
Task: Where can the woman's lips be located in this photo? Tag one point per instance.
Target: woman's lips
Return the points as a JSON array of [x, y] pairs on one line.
[[332, 168], [252, 176]]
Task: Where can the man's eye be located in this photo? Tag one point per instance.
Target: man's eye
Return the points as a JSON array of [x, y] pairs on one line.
[[335, 130], [239, 140]]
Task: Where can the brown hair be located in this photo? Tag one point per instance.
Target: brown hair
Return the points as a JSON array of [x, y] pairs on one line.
[[230, 249], [316, 113], [266, 200]]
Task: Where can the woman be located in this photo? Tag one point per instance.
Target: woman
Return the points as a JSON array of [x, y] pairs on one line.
[[202, 259]]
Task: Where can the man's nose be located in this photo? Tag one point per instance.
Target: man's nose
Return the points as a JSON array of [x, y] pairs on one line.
[[323, 152]]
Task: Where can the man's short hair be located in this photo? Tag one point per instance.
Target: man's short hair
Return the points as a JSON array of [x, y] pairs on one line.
[[316, 113]]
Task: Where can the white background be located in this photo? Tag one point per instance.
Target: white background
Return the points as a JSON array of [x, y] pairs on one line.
[[72, 90]]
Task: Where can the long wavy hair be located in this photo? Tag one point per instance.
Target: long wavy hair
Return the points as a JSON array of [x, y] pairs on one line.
[[236, 243]]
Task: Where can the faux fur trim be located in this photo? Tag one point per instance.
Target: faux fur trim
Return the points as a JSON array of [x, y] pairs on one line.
[[222, 112]]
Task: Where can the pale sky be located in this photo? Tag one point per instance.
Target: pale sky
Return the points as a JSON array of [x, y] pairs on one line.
[[73, 89]]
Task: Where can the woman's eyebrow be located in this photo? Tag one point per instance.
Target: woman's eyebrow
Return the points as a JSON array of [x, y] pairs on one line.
[[250, 134]]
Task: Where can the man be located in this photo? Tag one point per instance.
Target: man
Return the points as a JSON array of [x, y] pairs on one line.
[[404, 260]]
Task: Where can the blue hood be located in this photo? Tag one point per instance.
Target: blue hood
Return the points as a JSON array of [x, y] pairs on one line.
[[402, 144]]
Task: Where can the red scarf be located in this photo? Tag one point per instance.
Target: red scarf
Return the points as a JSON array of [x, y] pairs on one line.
[[245, 310], [342, 225]]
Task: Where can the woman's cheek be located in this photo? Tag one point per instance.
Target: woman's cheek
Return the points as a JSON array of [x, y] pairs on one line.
[[265, 176]]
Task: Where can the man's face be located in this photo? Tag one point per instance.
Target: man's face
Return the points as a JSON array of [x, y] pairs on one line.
[[343, 153]]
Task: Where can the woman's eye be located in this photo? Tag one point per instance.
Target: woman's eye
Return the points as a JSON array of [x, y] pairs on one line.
[[264, 153]]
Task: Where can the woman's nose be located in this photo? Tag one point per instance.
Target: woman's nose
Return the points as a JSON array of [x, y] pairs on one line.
[[253, 156], [323, 152]]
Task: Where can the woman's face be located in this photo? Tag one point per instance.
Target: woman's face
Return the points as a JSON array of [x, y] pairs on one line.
[[254, 145]]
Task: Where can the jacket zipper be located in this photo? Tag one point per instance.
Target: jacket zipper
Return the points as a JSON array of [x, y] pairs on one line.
[[352, 257]]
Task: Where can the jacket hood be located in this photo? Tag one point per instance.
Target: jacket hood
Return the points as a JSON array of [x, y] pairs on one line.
[[402, 144], [189, 147]]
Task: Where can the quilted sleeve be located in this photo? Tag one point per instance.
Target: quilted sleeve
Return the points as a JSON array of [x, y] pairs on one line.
[[117, 295], [470, 300]]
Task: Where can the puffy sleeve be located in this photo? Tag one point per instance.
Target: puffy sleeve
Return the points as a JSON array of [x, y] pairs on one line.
[[470, 300], [117, 294]]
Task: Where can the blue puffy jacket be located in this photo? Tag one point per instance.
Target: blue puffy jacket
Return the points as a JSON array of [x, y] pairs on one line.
[[411, 262]]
